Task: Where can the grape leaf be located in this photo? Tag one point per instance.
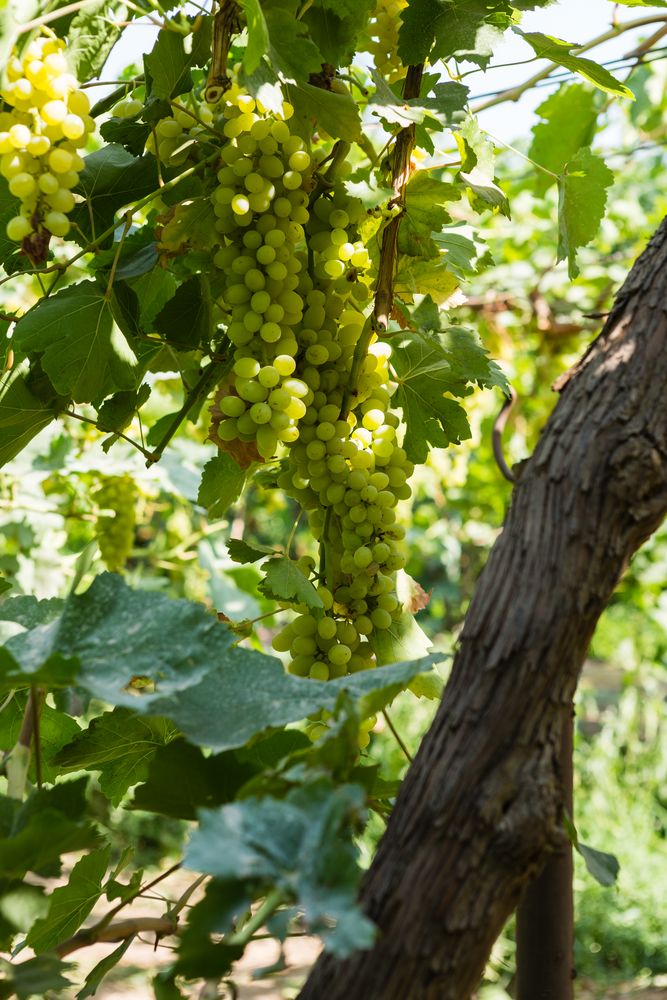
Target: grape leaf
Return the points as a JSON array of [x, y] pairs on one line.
[[643, 3], [120, 409], [185, 320], [285, 581], [337, 114], [225, 710], [302, 844], [258, 35], [100, 971], [70, 904], [221, 485], [29, 611], [603, 867], [55, 730], [120, 745], [189, 225], [111, 179], [153, 290], [569, 122], [167, 67], [22, 413], [35, 978], [417, 276], [560, 52], [582, 191], [9, 207], [181, 779], [291, 50], [404, 639], [242, 552], [84, 354], [125, 132], [92, 34], [477, 167], [438, 29], [334, 26]]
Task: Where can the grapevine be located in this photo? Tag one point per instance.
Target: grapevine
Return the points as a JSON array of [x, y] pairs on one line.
[[40, 139]]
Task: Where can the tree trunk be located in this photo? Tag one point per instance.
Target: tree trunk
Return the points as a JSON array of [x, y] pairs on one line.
[[545, 914], [480, 809]]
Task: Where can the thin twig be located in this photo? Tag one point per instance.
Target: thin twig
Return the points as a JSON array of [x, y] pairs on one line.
[[397, 736]]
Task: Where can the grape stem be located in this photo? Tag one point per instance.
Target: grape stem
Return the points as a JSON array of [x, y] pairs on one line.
[[405, 140], [397, 736]]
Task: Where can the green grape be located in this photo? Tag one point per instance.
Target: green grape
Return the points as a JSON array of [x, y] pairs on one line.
[[115, 532]]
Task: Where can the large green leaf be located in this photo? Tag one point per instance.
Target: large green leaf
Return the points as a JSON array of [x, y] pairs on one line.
[[120, 745], [92, 34], [569, 122], [80, 349], [168, 66], [335, 25], [337, 114], [302, 845], [258, 35], [291, 50], [439, 29], [111, 179], [22, 413], [582, 191], [221, 485], [560, 52], [70, 904], [428, 367]]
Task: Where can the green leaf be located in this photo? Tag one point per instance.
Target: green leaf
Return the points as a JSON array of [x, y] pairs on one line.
[[167, 66], [290, 49], [569, 122], [91, 36], [258, 35], [132, 646], [181, 780], [643, 3], [242, 552], [429, 686], [302, 845], [226, 708], [153, 290], [560, 52], [9, 207], [81, 351], [111, 179], [190, 226], [221, 485], [29, 611], [439, 29], [55, 730], [286, 582], [603, 867], [120, 745], [35, 978], [582, 198], [99, 972], [404, 639], [47, 825], [477, 167], [132, 135], [337, 114], [335, 25], [120, 409], [70, 904], [22, 413], [185, 320]]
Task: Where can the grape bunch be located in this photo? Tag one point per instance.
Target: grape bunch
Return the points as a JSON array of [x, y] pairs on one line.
[[383, 41], [40, 139], [115, 531], [347, 468], [261, 207]]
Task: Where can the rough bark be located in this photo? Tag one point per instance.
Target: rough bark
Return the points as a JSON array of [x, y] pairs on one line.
[[480, 809]]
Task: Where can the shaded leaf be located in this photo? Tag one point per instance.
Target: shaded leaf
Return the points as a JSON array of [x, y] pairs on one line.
[[582, 198], [168, 66], [92, 34], [242, 552], [100, 971], [438, 29], [286, 582], [221, 485], [111, 179], [70, 904], [36, 977]]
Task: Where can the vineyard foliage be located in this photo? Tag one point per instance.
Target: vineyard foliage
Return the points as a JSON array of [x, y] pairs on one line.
[[248, 298]]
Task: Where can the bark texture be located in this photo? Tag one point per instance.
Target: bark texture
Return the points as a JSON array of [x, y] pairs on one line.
[[479, 812]]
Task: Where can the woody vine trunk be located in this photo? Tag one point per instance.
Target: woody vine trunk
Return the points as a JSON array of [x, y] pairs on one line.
[[480, 809]]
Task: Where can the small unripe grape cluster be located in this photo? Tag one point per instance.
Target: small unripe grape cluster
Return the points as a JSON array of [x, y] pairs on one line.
[[261, 207], [174, 139], [115, 532], [40, 138], [383, 43]]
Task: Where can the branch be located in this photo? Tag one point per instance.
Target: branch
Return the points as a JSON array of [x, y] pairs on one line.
[[516, 93], [120, 931]]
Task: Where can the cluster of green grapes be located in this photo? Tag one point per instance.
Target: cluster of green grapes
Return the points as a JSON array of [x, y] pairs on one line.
[[261, 207], [115, 532], [40, 138], [383, 42], [347, 469]]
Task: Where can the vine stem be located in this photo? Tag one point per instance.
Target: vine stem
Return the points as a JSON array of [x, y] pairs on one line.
[[516, 93], [18, 762], [405, 141], [397, 736], [274, 899]]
